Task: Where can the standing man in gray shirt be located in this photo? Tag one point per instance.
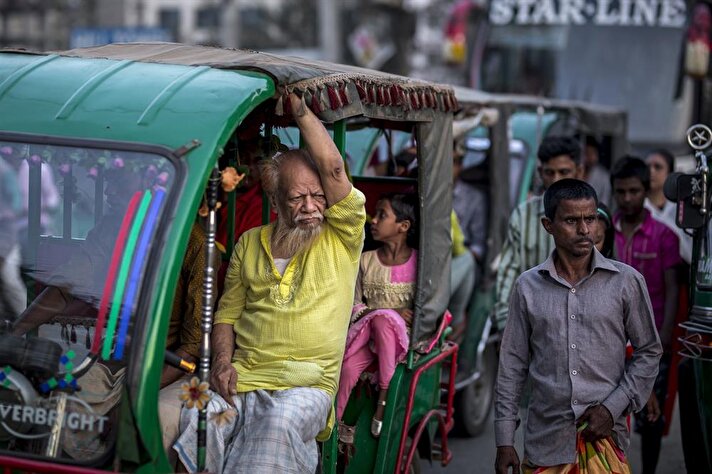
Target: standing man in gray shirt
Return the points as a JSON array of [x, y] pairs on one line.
[[569, 321]]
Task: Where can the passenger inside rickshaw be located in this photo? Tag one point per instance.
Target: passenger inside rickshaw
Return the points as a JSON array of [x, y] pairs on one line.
[[383, 301], [70, 366]]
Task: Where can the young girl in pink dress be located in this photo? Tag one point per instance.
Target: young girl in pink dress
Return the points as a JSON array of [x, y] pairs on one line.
[[383, 301]]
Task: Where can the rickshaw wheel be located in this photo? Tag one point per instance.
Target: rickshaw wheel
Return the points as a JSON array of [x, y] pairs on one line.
[[474, 402]]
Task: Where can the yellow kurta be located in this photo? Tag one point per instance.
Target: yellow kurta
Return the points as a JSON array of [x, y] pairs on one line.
[[291, 329]]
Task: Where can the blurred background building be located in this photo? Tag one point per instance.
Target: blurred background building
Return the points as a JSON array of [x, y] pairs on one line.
[[632, 54]]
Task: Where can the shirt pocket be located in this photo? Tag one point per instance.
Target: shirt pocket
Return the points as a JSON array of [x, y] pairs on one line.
[[645, 255]]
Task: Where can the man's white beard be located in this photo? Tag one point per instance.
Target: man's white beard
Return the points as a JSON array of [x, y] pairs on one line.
[[293, 239]]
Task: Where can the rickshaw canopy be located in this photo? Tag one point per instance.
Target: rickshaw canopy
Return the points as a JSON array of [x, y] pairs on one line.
[[171, 94]]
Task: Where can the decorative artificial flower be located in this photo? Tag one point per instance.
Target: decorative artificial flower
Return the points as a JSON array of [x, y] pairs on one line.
[[203, 211], [151, 172], [231, 179], [224, 417], [65, 169], [195, 394], [162, 178]]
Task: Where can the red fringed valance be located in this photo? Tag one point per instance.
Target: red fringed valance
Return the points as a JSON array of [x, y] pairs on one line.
[[360, 92]]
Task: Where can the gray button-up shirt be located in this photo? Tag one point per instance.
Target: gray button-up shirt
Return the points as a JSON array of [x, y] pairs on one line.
[[570, 341]]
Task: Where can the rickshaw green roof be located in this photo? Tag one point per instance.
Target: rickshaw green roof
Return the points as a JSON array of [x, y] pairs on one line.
[[159, 104], [593, 118]]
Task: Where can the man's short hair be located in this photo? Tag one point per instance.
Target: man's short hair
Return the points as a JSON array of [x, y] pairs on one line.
[[566, 190], [551, 147], [631, 167], [270, 170]]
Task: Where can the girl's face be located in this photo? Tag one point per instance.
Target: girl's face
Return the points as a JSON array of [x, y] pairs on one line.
[[658, 171], [384, 227]]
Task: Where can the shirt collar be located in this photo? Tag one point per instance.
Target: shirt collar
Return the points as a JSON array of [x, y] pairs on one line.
[[598, 262], [644, 227]]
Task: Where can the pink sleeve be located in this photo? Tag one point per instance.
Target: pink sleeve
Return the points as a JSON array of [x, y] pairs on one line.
[[670, 246]]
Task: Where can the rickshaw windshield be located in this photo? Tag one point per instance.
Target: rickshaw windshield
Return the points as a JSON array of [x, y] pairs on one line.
[[80, 229]]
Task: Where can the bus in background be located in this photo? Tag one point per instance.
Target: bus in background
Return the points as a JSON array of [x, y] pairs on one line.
[[626, 54]]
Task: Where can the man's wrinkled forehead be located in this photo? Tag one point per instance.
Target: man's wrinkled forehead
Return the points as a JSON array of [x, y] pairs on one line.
[[576, 208], [295, 172]]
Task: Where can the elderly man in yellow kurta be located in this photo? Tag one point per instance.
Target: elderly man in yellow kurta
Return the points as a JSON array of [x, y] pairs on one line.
[[281, 325]]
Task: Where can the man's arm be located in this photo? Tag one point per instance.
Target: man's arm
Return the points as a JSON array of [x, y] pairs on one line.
[[509, 266], [638, 378], [513, 370], [51, 302], [223, 376], [322, 149]]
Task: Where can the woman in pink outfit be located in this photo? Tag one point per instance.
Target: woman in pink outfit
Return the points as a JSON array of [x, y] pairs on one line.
[[383, 301]]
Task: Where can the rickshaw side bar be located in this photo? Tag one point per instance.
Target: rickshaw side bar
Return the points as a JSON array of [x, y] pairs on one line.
[[99, 194], [446, 424], [231, 204], [30, 465], [265, 198], [33, 208], [340, 137], [206, 323], [67, 202]]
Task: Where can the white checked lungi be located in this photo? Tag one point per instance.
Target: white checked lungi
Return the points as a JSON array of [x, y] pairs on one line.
[[273, 432]]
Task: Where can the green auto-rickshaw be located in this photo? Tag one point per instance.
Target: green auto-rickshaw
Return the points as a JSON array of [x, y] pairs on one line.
[[113, 150]]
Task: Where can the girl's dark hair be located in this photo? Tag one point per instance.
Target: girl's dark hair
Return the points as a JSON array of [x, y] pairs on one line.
[[406, 208], [667, 156], [604, 215]]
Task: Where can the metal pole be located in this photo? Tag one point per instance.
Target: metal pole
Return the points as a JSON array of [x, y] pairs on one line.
[[229, 24], [330, 29], [206, 324]]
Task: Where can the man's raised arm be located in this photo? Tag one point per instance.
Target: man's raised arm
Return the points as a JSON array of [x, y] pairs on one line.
[[322, 149]]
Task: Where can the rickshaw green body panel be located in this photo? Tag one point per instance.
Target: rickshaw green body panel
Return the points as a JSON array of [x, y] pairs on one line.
[[153, 104]]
